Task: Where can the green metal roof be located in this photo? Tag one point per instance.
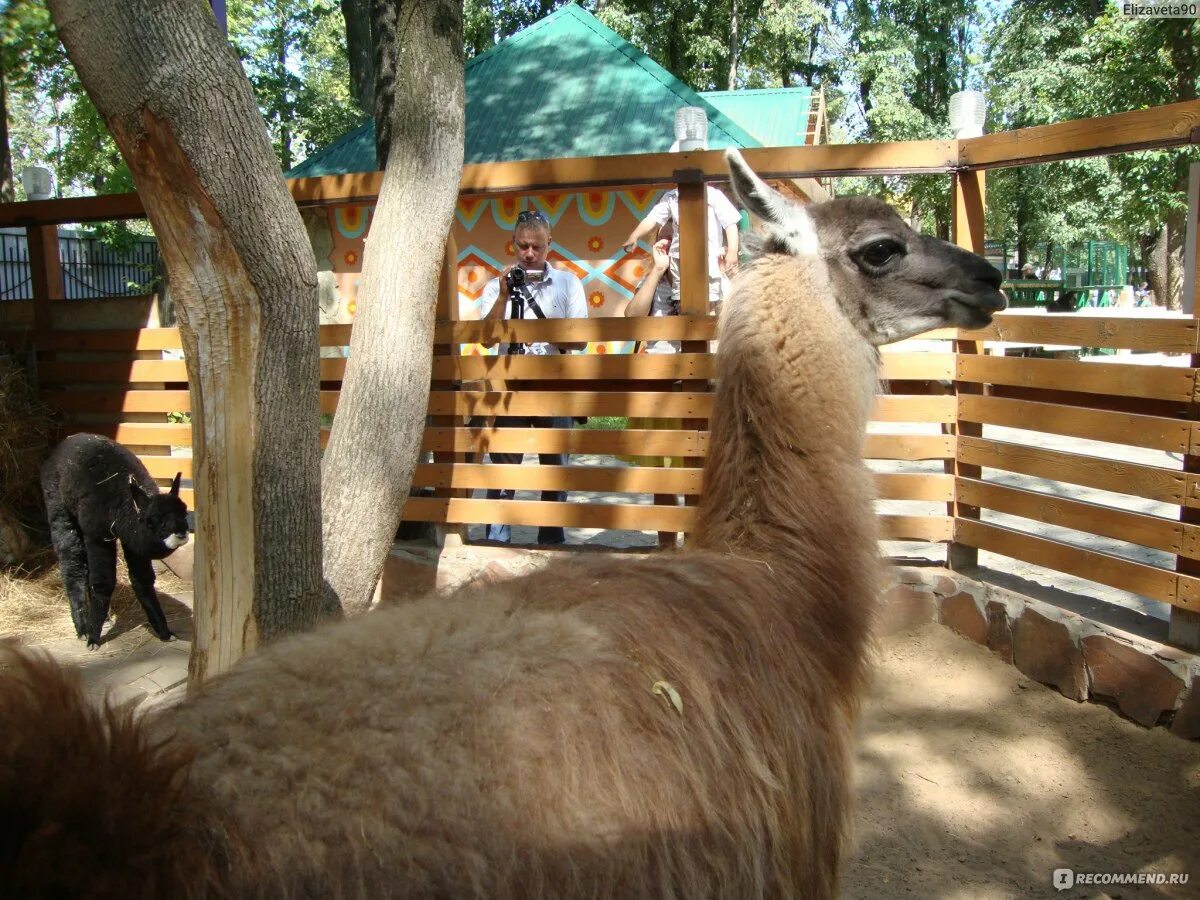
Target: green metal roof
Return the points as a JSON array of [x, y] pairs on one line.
[[570, 86], [777, 117]]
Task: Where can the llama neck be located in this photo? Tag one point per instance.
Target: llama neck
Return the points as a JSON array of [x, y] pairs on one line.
[[794, 386]]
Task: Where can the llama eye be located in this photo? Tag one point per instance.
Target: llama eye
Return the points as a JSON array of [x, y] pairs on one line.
[[878, 254]]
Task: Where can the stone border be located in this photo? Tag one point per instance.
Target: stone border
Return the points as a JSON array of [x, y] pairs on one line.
[[1150, 683]]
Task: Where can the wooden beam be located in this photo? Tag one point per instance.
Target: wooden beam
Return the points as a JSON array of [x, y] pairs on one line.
[[1123, 574], [1155, 432], [1173, 125]]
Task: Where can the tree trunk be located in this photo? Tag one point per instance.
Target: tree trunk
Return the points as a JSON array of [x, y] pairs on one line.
[[360, 53], [1154, 252], [244, 283], [377, 431], [733, 45], [1176, 229], [7, 193]]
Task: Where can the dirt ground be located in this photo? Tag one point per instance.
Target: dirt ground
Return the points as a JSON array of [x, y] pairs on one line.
[[975, 782]]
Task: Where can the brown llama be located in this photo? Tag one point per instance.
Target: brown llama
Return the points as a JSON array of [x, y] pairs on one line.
[[673, 727]]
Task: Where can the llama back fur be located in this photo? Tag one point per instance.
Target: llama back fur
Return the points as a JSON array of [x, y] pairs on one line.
[[508, 742], [92, 806]]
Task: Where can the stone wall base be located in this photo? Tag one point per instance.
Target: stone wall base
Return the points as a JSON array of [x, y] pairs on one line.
[[1152, 684], [1148, 682]]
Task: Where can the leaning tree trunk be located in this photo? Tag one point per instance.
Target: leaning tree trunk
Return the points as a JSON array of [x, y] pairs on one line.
[[1154, 252], [380, 418], [245, 287], [360, 52]]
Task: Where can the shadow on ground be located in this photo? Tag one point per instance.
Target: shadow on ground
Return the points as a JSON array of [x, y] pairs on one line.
[[975, 782]]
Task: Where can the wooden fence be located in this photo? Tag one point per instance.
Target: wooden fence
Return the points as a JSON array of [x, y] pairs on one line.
[[120, 384]]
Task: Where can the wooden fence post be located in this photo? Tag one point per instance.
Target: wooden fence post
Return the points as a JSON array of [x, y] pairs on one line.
[[693, 290], [967, 223], [45, 278], [1183, 629]]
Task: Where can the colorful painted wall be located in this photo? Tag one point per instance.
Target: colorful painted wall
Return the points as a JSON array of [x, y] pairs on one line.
[[586, 234]]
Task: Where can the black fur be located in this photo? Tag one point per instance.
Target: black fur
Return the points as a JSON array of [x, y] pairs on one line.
[[97, 492]]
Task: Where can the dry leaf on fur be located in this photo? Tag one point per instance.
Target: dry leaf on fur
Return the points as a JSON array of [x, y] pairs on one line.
[[667, 690]]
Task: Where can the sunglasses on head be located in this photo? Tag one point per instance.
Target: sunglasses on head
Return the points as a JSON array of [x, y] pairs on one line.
[[532, 215]]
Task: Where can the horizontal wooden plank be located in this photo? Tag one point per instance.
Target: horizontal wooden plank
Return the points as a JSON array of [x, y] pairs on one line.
[[1149, 333], [1162, 126], [124, 340], [917, 366], [1161, 382], [126, 401], [670, 328], [1151, 482], [1091, 518], [123, 372], [641, 442], [167, 466], [916, 528], [614, 479], [139, 434], [646, 404], [914, 486], [1103, 568], [1093, 424], [910, 447], [648, 367], [914, 408], [623, 516]]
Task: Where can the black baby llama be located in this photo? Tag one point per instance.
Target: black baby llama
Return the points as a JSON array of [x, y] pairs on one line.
[[97, 493]]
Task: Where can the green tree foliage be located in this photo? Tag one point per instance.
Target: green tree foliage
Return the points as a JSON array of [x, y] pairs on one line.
[[51, 121], [904, 58], [294, 54]]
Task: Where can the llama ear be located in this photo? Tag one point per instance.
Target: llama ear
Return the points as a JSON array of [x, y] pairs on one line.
[[140, 497], [175, 484], [787, 220]]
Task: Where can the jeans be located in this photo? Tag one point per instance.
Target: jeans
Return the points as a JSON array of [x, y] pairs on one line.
[[546, 534]]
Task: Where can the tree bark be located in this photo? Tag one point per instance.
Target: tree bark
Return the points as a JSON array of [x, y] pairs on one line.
[[377, 431], [360, 52], [1154, 252], [733, 45], [7, 191], [243, 278]]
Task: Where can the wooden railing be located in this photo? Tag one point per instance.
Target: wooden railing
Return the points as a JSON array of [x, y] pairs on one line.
[[117, 383]]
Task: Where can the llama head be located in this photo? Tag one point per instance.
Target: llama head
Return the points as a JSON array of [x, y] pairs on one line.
[[889, 281], [162, 517]]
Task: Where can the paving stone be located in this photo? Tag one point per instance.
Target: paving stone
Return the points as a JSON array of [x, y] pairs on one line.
[[1043, 650], [1141, 686], [961, 614], [906, 606], [999, 631], [1187, 717]]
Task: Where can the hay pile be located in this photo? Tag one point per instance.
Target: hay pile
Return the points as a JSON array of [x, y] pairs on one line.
[[26, 432]]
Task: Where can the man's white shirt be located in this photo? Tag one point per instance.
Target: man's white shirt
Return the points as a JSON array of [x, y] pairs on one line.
[[559, 295], [721, 214]]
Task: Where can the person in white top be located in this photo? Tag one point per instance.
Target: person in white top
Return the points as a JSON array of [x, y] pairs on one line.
[[546, 293], [723, 219]]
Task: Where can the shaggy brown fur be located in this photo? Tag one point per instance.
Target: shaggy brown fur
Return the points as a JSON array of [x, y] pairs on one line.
[[676, 727]]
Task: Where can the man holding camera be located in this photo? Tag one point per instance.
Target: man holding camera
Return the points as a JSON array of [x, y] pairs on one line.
[[532, 289]]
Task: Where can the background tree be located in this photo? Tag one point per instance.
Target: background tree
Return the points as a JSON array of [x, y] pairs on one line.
[[244, 281], [376, 436]]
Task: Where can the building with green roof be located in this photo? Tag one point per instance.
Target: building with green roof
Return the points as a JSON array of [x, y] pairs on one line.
[[567, 86], [570, 86]]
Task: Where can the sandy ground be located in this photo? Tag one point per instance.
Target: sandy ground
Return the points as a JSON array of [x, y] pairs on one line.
[[975, 782]]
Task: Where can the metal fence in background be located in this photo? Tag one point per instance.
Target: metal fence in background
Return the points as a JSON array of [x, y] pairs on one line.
[[90, 269]]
